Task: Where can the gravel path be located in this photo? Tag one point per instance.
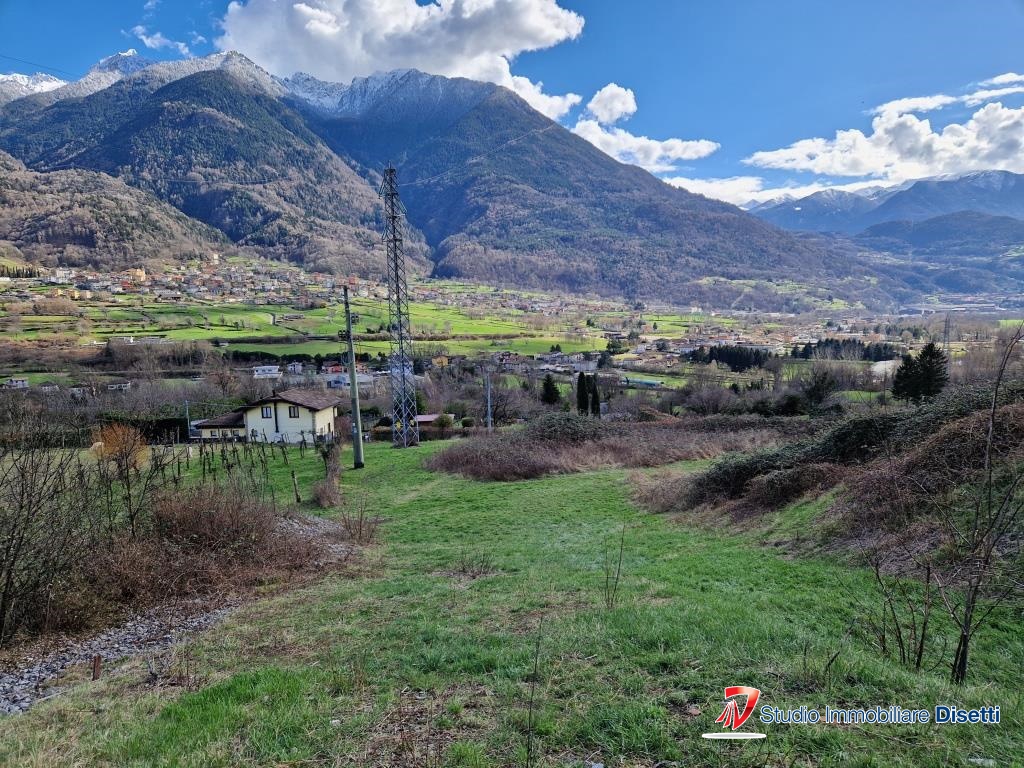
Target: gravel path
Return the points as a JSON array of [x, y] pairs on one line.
[[151, 631], [154, 630]]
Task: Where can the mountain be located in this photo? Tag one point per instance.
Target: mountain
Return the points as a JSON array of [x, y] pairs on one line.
[[830, 210], [964, 233], [214, 139], [17, 86], [80, 218], [502, 194], [995, 193], [494, 190]]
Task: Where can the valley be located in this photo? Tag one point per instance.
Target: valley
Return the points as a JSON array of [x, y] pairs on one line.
[[367, 401]]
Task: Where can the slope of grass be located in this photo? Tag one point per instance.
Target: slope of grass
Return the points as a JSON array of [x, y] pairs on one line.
[[408, 656]]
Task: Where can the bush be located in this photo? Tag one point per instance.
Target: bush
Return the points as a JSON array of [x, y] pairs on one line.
[[327, 493], [564, 427], [853, 441], [220, 518], [562, 443], [783, 486]]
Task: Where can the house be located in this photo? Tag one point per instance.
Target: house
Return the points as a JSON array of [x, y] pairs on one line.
[[229, 426], [289, 416], [367, 384], [16, 383], [294, 368], [266, 372]]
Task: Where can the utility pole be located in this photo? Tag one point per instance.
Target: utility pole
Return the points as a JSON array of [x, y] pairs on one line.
[[353, 388], [946, 329], [404, 429], [188, 425], [487, 386]]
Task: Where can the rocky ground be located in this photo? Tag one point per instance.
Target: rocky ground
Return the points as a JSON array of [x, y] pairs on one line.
[[33, 677]]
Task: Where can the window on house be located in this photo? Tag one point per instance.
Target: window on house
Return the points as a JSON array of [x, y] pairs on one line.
[[268, 412], [293, 411], [213, 433]]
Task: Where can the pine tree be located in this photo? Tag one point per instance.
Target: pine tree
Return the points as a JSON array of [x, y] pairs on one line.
[[549, 391], [582, 393], [931, 370], [904, 383], [921, 377], [595, 398]]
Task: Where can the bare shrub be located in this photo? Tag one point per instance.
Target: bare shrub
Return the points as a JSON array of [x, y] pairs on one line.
[[558, 445], [920, 477], [474, 564], [326, 493], [47, 497], [214, 517], [358, 523]]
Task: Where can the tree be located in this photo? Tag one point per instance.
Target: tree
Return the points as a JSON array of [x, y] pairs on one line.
[[904, 382], [921, 377], [984, 529], [932, 369], [595, 397], [549, 391], [582, 393]]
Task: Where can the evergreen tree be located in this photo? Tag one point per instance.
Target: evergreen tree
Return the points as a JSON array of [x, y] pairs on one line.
[[549, 391], [904, 383], [932, 370], [582, 393], [921, 377], [595, 398]]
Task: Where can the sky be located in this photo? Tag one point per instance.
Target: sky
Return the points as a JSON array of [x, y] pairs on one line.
[[738, 99]]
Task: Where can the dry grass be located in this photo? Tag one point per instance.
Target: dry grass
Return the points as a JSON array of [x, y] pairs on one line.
[[206, 541], [535, 452], [896, 490]]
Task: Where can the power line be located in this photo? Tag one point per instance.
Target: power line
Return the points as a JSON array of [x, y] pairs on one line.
[[35, 64]]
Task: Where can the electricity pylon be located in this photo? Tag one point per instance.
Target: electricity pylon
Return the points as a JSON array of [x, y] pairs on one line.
[[404, 429]]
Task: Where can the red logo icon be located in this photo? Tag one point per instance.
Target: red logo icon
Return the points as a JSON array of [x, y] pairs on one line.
[[732, 717]]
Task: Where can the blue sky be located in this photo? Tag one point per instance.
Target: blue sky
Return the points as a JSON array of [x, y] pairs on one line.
[[736, 98]]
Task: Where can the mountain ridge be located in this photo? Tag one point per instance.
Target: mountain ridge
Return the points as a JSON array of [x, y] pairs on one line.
[[494, 190]]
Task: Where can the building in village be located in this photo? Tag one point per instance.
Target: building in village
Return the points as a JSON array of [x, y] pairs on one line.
[[290, 416]]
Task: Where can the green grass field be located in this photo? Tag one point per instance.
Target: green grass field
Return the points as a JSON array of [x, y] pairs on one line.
[[374, 666]]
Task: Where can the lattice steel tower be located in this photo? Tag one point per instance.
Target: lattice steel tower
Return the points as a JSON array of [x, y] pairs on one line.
[[404, 430]]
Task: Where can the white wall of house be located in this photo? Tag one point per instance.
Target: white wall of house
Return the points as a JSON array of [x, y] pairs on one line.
[[221, 433], [288, 422]]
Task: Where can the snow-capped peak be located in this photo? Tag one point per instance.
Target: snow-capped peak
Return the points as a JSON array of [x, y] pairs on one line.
[[342, 99], [125, 63], [15, 85]]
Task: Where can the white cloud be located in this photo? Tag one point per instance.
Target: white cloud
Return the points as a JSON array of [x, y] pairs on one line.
[[745, 189], [915, 104], [980, 97], [657, 156], [1004, 79], [341, 39], [904, 146], [157, 40], [612, 103]]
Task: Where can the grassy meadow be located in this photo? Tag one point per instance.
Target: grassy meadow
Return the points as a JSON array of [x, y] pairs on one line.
[[423, 652]]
